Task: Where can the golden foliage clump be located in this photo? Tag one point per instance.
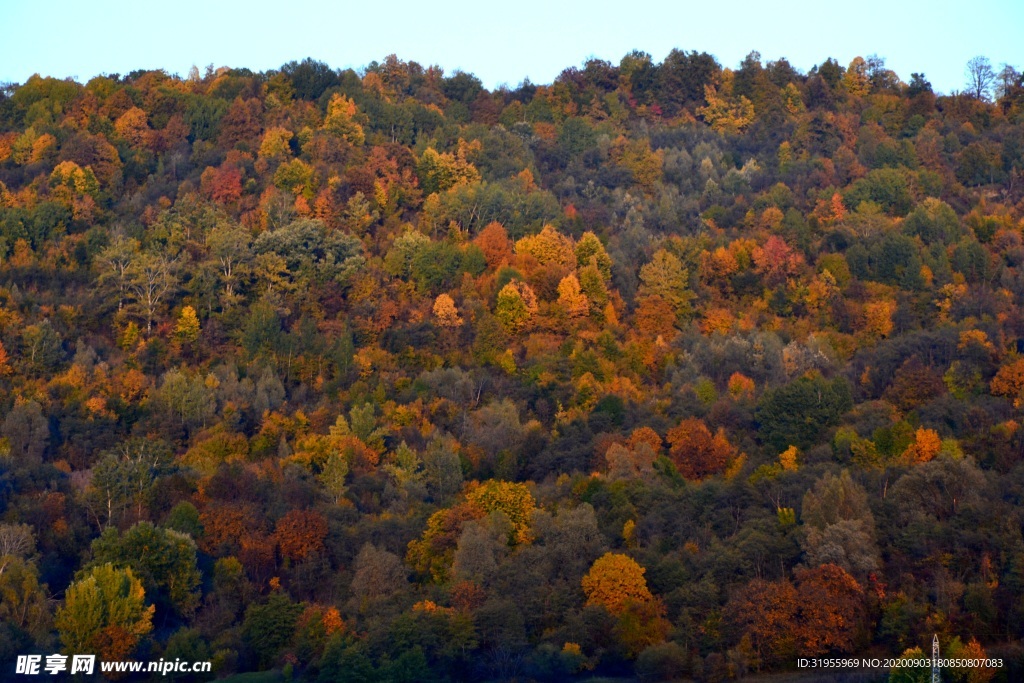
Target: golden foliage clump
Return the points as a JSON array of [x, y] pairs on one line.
[[613, 580], [445, 312], [925, 447]]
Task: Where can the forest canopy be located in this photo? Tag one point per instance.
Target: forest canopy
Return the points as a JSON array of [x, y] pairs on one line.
[[659, 370]]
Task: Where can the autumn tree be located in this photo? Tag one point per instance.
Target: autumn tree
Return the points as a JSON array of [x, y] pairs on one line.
[[616, 583], [300, 533], [1009, 381], [513, 500], [445, 312], [696, 452], [549, 248], [494, 242], [24, 602], [830, 611], [340, 120], [571, 297], [666, 277], [764, 613], [440, 172], [613, 581], [925, 447], [724, 113], [104, 611]]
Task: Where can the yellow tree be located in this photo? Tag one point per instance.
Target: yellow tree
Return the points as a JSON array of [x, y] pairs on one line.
[[878, 318], [549, 247], [666, 277], [571, 298], [104, 612], [340, 120], [445, 312], [723, 112], [275, 144], [855, 80], [186, 331], [512, 499], [613, 581]]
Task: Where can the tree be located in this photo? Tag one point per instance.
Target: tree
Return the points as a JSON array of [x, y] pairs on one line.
[[571, 298], [665, 276], [186, 330], [494, 242], [797, 413], [377, 573], [340, 120], [275, 144], [333, 475], [24, 603], [830, 610], [516, 306], [440, 172], [855, 80], [300, 533], [724, 113], [513, 500], [980, 78], [187, 397], [445, 312], [123, 477], [162, 559], [442, 467], [231, 245], [105, 612], [16, 542], [1009, 381], [696, 452], [311, 253], [115, 264], [151, 278], [764, 613], [925, 447], [268, 627], [27, 432], [590, 251], [613, 581], [549, 247]]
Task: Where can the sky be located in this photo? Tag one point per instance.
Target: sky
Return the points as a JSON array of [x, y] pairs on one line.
[[500, 42]]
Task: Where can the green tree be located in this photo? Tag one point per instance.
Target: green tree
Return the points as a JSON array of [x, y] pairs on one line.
[[311, 253], [187, 397], [164, 560], [798, 413], [268, 627]]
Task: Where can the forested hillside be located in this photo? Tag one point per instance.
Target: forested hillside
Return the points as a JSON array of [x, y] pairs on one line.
[[663, 370]]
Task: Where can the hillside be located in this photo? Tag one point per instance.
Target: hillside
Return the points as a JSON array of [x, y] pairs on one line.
[[660, 370]]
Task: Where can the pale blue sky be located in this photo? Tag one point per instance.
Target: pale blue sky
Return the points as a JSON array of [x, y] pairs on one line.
[[501, 42]]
